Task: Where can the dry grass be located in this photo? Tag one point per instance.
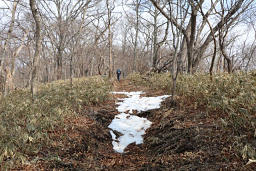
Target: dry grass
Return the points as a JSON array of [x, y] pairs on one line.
[[231, 97], [25, 126]]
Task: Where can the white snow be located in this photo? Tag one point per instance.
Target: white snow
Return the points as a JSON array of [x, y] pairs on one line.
[[140, 104], [131, 126]]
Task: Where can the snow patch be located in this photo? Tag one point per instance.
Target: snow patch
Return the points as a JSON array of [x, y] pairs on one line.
[[140, 104], [130, 126]]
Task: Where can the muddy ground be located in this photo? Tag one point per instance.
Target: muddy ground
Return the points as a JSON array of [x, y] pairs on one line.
[[179, 139]]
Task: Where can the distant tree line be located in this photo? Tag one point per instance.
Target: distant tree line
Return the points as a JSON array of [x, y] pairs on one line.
[[47, 40]]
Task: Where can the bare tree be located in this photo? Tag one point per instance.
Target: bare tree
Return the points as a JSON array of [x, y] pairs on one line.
[[4, 68], [82, 38], [196, 51], [177, 43], [110, 72], [58, 25], [136, 34], [156, 42], [205, 19]]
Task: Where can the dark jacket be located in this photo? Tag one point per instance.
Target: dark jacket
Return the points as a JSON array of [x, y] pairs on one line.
[[118, 71]]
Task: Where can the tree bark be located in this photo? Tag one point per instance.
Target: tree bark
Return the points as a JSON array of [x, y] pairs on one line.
[[4, 70], [205, 18], [223, 52], [38, 40], [136, 36], [110, 71], [190, 43], [155, 32], [60, 43]]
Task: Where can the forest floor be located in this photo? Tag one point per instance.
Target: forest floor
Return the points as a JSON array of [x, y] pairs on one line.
[[180, 138]]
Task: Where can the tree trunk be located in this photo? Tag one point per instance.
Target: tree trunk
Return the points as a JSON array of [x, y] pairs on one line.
[[205, 18], [59, 64], [155, 53], [60, 42], [190, 44], [136, 37], [38, 39], [71, 70], [5, 72], [110, 71]]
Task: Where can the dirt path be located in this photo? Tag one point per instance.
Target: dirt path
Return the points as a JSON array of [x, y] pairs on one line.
[[179, 139]]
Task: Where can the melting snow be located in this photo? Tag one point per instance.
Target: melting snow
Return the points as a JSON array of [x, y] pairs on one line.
[[140, 104], [130, 126]]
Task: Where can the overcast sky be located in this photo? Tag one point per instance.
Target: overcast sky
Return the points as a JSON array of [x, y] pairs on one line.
[[120, 12]]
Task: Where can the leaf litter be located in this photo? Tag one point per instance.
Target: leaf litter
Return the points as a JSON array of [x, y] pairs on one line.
[[178, 139]]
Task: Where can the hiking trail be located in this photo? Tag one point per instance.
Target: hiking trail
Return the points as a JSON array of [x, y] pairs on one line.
[[178, 139]]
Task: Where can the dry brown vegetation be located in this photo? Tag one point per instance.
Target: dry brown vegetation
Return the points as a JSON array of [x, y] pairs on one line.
[[67, 128], [64, 50], [27, 126]]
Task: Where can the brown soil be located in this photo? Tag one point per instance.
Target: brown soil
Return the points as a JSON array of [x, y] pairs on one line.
[[181, 138]]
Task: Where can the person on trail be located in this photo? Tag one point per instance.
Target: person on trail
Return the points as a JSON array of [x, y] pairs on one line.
[[118, 73]]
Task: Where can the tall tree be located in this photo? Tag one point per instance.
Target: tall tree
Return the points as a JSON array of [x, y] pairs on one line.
[[38, 42], [196, 46], [135, 51], [58, 25], [110, 71], [5, 71]]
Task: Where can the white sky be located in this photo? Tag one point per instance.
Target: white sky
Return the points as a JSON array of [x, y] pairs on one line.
[[119, 11]]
